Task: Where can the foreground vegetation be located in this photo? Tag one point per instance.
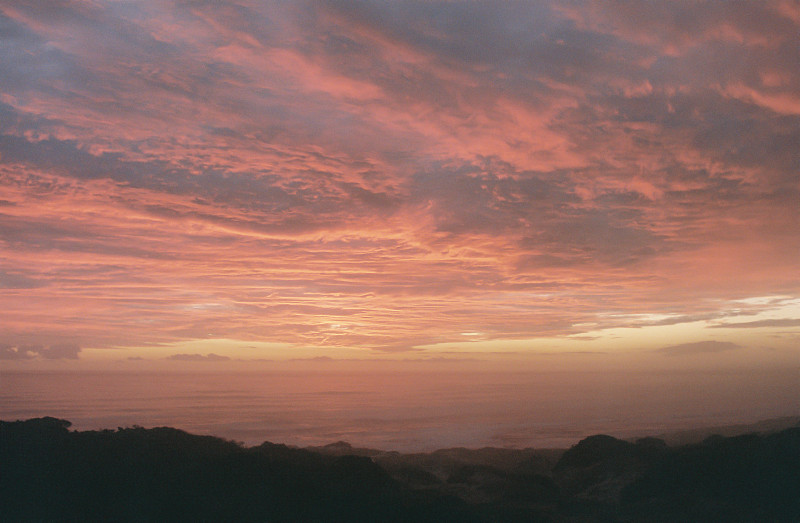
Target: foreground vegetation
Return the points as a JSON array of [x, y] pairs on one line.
[[50, 473]]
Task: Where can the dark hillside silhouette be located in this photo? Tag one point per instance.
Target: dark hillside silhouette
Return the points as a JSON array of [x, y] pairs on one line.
[[50, 473], [164, 474]]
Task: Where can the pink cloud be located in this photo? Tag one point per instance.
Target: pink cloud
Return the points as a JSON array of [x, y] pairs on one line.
[[382, 177]]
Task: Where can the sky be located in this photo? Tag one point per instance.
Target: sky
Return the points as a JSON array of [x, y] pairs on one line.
[[198, 181]]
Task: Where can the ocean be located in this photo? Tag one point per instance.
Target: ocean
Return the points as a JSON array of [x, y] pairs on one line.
[[404, 411]]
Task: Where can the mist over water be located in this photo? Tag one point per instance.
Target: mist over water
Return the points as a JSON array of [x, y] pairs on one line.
[[405, 411]]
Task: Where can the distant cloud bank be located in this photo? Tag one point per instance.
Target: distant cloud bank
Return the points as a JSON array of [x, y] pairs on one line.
[[700, 347]]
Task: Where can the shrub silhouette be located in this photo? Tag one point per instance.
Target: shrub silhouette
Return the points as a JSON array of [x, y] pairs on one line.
[[49, 473]]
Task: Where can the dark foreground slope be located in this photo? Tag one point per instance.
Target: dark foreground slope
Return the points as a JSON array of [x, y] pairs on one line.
[[742, 478], [163, 474], [747, 477], [48, 473]]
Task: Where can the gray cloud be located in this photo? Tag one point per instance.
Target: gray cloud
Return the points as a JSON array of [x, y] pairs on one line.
[[15, 280], [700, 347], [8, 352], [211, 357], [782, 322], [52, 352], [61, 351]]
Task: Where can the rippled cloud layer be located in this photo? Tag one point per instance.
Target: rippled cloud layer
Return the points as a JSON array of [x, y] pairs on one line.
[[396, 176]]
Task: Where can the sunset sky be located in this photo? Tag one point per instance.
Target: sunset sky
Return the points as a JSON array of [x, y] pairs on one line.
[[204, 181]]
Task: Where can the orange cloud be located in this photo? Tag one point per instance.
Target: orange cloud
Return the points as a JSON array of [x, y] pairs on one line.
[[385, 177]]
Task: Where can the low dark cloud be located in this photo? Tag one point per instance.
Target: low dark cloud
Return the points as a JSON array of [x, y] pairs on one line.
[[781, 322], [68, 351], [700, 347], [8, 352], [211, 357], [61, 351]]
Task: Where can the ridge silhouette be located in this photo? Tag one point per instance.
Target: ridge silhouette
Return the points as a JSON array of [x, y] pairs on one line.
[[50, 473]]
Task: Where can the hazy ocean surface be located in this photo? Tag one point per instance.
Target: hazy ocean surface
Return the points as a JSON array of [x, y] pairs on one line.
[[405, 411]]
